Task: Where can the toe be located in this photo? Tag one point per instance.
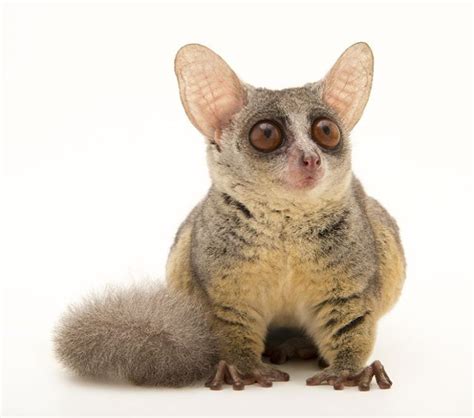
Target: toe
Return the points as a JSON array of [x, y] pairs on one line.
[[264, 381], [278, 376], [214, 385], [365, 379], [234, 378], [338, 384], [381, 375], [317, 379], [238, 386]]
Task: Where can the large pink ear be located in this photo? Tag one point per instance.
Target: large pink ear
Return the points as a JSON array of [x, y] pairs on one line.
[[346, 87], [210, 91]]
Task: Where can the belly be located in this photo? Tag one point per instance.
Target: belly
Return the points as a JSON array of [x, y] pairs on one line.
[[288, 294]]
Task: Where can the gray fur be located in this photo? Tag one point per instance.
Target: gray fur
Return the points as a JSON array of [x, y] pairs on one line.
[[147, 334], [241, 171]]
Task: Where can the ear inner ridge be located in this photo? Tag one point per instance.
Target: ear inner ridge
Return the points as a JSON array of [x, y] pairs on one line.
[[210, 91], [347, 86]]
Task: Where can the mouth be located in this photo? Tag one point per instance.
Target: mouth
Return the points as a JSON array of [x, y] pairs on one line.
[[306, 182], [303, 183], [303, 180]]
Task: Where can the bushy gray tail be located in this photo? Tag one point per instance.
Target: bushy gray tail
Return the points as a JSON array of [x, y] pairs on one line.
[[147, 334]]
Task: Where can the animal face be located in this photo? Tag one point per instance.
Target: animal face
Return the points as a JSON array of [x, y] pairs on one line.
[[292, 142]]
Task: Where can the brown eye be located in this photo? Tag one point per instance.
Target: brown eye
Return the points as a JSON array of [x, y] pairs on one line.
[[326, 133], [266, 136]]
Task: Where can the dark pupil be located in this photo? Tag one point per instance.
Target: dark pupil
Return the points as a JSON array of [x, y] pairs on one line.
[[267, 131], [326, 129]]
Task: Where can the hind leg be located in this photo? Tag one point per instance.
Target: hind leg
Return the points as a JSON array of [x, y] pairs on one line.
[[283, 344]]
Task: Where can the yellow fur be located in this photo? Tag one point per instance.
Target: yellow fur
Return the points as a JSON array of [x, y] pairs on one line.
[[178, 267], [392, 267]]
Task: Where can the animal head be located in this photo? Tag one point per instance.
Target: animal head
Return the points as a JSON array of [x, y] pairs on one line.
[[291, 143]]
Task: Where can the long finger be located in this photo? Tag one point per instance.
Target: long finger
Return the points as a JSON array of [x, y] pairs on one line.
[[237, 382], [366, 378], [381, 375], [216, 382]]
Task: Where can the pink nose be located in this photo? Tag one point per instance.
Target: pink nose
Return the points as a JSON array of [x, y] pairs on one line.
[[311, 161]]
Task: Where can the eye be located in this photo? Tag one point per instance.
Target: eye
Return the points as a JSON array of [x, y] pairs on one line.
[[326, 133], [266, 136]]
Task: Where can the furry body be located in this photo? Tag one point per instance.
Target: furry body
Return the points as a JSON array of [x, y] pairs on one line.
[[324, 271], [286, 238]]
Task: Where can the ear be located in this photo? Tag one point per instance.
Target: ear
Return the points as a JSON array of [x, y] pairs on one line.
[[346, 87], [210, 91]]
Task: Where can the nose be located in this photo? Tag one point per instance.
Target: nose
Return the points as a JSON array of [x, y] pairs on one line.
[[311, 160]]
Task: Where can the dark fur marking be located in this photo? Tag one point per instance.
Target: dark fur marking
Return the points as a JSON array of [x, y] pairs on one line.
[[231, 201], [231, 322], [330, 323], [334, 301], [334, 228], [237, 314], [238, 237], [215, 145], [351, 325]]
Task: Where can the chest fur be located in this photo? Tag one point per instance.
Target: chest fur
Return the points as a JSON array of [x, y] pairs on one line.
[[280, 267], [287, 282]]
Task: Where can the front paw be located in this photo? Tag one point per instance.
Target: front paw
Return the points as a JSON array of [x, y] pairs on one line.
[[230, 374], [340, 378]]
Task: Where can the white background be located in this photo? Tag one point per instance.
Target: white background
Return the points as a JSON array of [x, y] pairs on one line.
[[100, 166]]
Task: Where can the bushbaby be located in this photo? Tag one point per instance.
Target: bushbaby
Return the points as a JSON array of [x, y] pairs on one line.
[[285, 256]]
